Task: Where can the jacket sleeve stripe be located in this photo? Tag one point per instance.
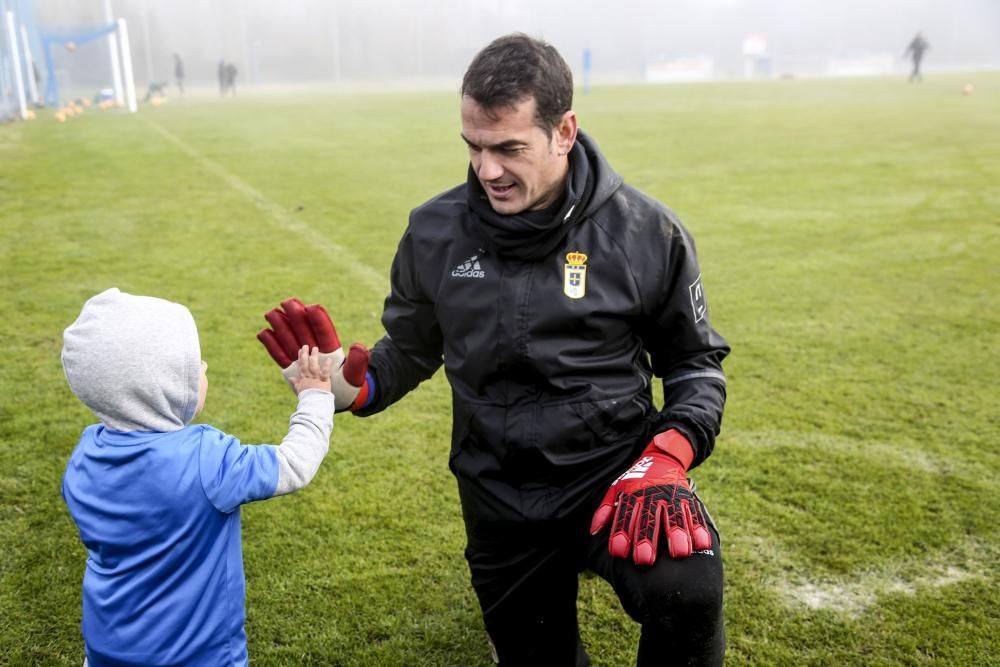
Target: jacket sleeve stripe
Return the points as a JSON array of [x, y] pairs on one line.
[[716, 375]]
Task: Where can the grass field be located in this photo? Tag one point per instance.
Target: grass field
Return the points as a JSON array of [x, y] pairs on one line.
[[848, 231]]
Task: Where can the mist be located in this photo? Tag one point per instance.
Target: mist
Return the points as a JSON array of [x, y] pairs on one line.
[[429, 43]]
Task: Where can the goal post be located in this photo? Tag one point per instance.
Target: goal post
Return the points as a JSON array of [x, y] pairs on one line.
[[29, 66], [66, 80], [15, 59]]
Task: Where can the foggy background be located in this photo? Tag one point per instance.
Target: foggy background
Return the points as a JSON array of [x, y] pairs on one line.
[[430, 42]]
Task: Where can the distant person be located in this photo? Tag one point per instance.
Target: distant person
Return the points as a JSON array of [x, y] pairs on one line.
[[231, 72], [222, 77], [915, 51], [157, 499], [179, 72]]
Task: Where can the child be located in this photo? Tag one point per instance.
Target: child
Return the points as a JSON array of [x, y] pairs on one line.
[[157, 500]]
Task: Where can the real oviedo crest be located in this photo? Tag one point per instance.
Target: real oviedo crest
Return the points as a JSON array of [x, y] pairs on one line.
[[575, 276]]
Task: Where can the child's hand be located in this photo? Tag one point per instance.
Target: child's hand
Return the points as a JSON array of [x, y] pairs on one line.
[[313, 373]]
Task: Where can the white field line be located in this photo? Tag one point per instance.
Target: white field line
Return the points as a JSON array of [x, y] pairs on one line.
[[900, 455], [853, 594], [853, 597], [343, 258]]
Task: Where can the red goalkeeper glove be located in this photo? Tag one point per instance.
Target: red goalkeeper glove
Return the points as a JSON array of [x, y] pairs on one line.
[[294, 325], [651, 495]]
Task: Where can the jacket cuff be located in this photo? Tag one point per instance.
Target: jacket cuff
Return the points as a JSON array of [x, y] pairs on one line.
[[674, 444], [367, 395]]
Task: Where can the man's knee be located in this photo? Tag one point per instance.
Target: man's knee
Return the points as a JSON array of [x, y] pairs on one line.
[[694, 600], [681, 613], [685, 591], [684, 588]]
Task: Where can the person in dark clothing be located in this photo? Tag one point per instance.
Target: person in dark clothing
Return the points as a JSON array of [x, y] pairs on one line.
[[915, 50], [222, 77], [230, 77], [552, 293], [179, 72]]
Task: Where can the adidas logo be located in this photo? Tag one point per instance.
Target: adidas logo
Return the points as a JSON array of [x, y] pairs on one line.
[[469, 269]]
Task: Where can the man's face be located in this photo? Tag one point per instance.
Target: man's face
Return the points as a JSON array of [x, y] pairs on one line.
[[518, 165]]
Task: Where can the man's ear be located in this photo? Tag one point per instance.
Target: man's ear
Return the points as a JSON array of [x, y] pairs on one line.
[[564, 134]]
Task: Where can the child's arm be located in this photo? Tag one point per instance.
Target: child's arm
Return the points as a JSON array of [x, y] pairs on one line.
[[233, 473], [308, 439]]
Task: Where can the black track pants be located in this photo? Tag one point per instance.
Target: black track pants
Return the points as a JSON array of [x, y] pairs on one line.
[[526, 579]]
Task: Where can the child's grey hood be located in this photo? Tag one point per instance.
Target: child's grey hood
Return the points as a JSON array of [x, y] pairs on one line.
[[134, 361]]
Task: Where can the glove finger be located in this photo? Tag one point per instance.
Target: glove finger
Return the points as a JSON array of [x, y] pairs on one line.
[[701, 538], [620, 540], [273, 347], [299, 321], [322, 327], [647, 532], [678, 538], [283, 332], [356, 365], [603, 513]]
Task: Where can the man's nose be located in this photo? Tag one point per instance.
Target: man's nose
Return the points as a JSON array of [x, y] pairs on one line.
[[490, 168]]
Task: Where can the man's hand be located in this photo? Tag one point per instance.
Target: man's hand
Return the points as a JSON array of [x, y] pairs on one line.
[[651, 494], [294, 325], [314, 373]]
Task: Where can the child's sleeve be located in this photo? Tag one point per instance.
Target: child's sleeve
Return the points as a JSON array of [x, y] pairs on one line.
[[307, 442], [233, 473]]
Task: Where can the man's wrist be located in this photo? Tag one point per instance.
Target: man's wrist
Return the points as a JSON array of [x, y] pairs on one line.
[[366, 395], [676, 446]]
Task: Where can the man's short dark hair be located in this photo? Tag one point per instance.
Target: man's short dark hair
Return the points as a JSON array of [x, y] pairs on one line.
[[515, 67]]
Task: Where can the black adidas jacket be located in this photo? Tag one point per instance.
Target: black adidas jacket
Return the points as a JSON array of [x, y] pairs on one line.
[[551, 394]]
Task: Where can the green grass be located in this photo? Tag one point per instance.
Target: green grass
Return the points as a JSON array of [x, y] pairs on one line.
[[848, 231]]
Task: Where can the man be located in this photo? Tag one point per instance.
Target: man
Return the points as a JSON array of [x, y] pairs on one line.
[[915, 50], [230, 77], [221, 73], [552, 293], [179, 72]]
